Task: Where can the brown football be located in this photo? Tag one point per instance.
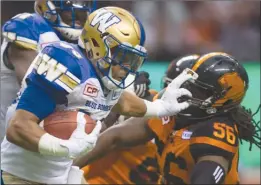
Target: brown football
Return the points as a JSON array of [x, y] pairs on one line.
[[61, 124]]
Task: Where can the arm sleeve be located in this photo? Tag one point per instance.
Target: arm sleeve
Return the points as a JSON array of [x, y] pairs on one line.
[[161, 129], [17, 30], [35, 100], [29, 31], [55, 75], [207, 172], [56, 71]]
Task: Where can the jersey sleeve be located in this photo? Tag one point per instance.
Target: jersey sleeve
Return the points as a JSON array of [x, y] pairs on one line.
[[29, 31], [36, 100], [217, 137], [56, 73], [17, 30], [161, 127], [56, 70]]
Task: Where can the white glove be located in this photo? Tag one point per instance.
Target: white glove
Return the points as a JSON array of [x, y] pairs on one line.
[[168, 105], [80, 142]]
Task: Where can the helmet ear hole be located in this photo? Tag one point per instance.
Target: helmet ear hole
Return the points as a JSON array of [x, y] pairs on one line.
[[95, 43]]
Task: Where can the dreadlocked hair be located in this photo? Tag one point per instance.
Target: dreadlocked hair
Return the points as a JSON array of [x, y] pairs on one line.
[[248, 128]]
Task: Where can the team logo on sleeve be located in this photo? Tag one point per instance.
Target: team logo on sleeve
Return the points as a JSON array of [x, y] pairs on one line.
[[186, 134], [90, 90]]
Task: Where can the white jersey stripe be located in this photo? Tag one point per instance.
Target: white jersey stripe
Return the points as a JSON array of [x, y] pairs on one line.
[[215, 172], [217, 180]]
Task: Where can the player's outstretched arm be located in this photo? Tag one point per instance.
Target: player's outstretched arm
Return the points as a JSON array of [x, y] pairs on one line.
[[131, 132], [168, 105]]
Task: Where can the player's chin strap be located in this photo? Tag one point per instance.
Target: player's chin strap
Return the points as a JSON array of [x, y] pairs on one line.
[[105, 79]]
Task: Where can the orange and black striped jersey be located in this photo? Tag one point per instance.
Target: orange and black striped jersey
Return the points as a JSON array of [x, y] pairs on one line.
[[135, 165], [179, 150]]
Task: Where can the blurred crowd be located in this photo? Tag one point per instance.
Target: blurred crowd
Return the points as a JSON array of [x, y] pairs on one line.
[[174, 28], [180, 27]]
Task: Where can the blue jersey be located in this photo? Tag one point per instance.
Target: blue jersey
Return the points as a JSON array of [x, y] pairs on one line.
[[63, 78], [29, 31]]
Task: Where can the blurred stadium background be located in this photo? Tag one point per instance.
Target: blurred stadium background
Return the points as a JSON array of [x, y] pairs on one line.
[[175, 28]]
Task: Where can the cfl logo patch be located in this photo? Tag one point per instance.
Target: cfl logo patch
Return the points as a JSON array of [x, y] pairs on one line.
[[186, 134]]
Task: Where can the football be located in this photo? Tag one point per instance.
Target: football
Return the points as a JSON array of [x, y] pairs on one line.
[[61, 124]]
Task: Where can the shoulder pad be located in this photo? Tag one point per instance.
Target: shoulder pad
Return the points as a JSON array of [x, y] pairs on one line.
[[219, 131], [26, 29], [216, 136], [61, 65]]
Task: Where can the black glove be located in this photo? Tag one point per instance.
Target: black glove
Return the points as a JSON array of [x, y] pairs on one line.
[[141, 84]]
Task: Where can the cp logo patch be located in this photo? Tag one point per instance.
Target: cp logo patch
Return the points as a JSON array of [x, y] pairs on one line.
[[90, 90]]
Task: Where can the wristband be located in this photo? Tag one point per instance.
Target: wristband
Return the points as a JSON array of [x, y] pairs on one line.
[[152, 108], [50, 145]]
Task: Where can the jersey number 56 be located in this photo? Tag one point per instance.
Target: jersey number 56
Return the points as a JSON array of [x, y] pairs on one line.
[[224, 131]]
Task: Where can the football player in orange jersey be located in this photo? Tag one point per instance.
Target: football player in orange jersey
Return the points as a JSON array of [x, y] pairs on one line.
[[200, 145], [133, 165]]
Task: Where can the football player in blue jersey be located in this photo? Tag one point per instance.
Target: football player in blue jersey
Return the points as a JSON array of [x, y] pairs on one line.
[[89, 77], [26, 34]]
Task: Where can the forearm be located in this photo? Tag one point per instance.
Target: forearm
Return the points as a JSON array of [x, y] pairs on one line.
[[131, 132], [207, 172], [133, 106], [137, 107], [25, 133], [111, 119], [130, 105]]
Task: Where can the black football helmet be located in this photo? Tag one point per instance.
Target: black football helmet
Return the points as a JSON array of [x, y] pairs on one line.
[[220, 87], [176, 66]]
